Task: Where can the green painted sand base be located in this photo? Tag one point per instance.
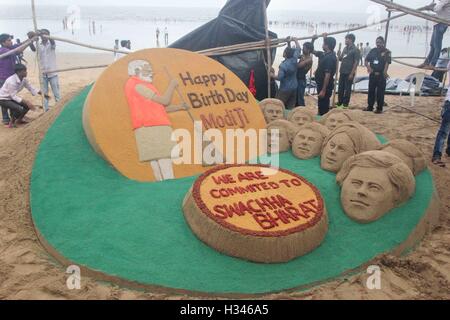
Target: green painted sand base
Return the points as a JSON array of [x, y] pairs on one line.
[[98, 219]]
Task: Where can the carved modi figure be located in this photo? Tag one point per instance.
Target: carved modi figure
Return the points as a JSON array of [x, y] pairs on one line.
[[149, 115]]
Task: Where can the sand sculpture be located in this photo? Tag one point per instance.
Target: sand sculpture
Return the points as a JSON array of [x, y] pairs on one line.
[[373, 183], [151, 124], [308, 142], [335, 118], [280, 134], [136, 104], [256, 213], [408, 152], [300, 116], [273, 109], [345, 141]]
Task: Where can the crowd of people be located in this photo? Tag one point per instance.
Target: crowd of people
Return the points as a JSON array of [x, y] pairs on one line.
[[299, 61], [13, 76]]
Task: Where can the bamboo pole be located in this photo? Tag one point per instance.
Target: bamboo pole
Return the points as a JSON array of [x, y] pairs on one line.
[[336, 80], [388, 25], [85, 45], [24, 45], [268, 49], [412, 12], [79, 68], [41, 79], [274, 42], [416, 67]]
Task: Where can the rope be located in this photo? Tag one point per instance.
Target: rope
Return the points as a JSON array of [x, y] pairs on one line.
[[418, 113], [413, 12]]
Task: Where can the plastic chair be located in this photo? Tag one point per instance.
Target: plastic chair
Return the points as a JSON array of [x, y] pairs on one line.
[[419, 78]]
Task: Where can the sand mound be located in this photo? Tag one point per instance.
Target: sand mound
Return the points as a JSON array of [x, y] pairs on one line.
[[28, 272]]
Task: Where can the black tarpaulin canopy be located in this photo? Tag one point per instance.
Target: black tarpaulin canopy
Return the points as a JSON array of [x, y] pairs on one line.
[[239, 21]]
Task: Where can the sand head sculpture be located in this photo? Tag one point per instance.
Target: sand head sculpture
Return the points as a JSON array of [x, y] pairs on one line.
[[408, 152], [373, 183], [280, 134], [273, 109], [335, 118], [300, 116], [308, 141], [345, 141]]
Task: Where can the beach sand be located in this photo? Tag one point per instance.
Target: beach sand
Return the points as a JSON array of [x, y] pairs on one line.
[[28, 272]]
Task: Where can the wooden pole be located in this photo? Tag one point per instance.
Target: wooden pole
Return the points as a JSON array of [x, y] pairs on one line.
[[265, 3], [388, 25], [41, 79], [79, 68], [336, 81], [412, 12]]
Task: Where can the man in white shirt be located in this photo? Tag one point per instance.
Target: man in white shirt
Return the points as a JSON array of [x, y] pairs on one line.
[[47, 57], [441, 10], [9, 99]]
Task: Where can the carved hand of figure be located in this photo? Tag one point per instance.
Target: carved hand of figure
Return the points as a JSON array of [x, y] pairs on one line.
[[175, 108]]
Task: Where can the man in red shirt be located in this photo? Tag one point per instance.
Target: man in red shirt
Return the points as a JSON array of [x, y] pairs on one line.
[[149, 115]]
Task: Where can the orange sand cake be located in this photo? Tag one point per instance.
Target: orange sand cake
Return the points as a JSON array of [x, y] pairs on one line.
[[256, 213]]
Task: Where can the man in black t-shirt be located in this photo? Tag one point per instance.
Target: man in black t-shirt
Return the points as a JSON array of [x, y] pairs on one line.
[[349, 58], [377, 63], [325, 73]]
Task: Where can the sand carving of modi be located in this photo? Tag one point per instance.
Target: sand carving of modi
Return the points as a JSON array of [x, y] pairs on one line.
[[149, 115]]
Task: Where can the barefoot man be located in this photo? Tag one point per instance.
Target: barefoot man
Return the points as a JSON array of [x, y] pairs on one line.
[[149, 115]]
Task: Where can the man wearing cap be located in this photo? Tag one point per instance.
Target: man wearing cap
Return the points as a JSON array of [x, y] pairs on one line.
[[7, 64]]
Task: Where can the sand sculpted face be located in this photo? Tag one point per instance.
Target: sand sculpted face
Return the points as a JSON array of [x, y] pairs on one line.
[[301, 117], [336, 118], [308, 142], [273, 109], [338, 149], [373, 183], [345, 141], [280, 134], [408, 153]]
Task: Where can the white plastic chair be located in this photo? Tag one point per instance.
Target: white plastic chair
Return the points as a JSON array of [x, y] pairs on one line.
[[419, 79]]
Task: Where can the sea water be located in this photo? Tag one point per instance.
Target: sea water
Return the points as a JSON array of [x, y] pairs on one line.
[[139, 24]]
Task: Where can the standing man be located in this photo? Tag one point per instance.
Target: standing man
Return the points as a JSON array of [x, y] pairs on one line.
[[116, 48], [157, 36], [349, 58], [166, 36], [442, 10], [365, 52], [304, 65], [7, 65], [377, 63], [325, 73], [444, 131], [441, 64], [287, 75], [47, 58]]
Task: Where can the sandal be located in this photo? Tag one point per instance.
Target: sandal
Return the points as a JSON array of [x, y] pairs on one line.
[[439, 163]]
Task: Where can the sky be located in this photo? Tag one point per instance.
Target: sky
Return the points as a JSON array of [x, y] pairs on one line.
[[306, 5]]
